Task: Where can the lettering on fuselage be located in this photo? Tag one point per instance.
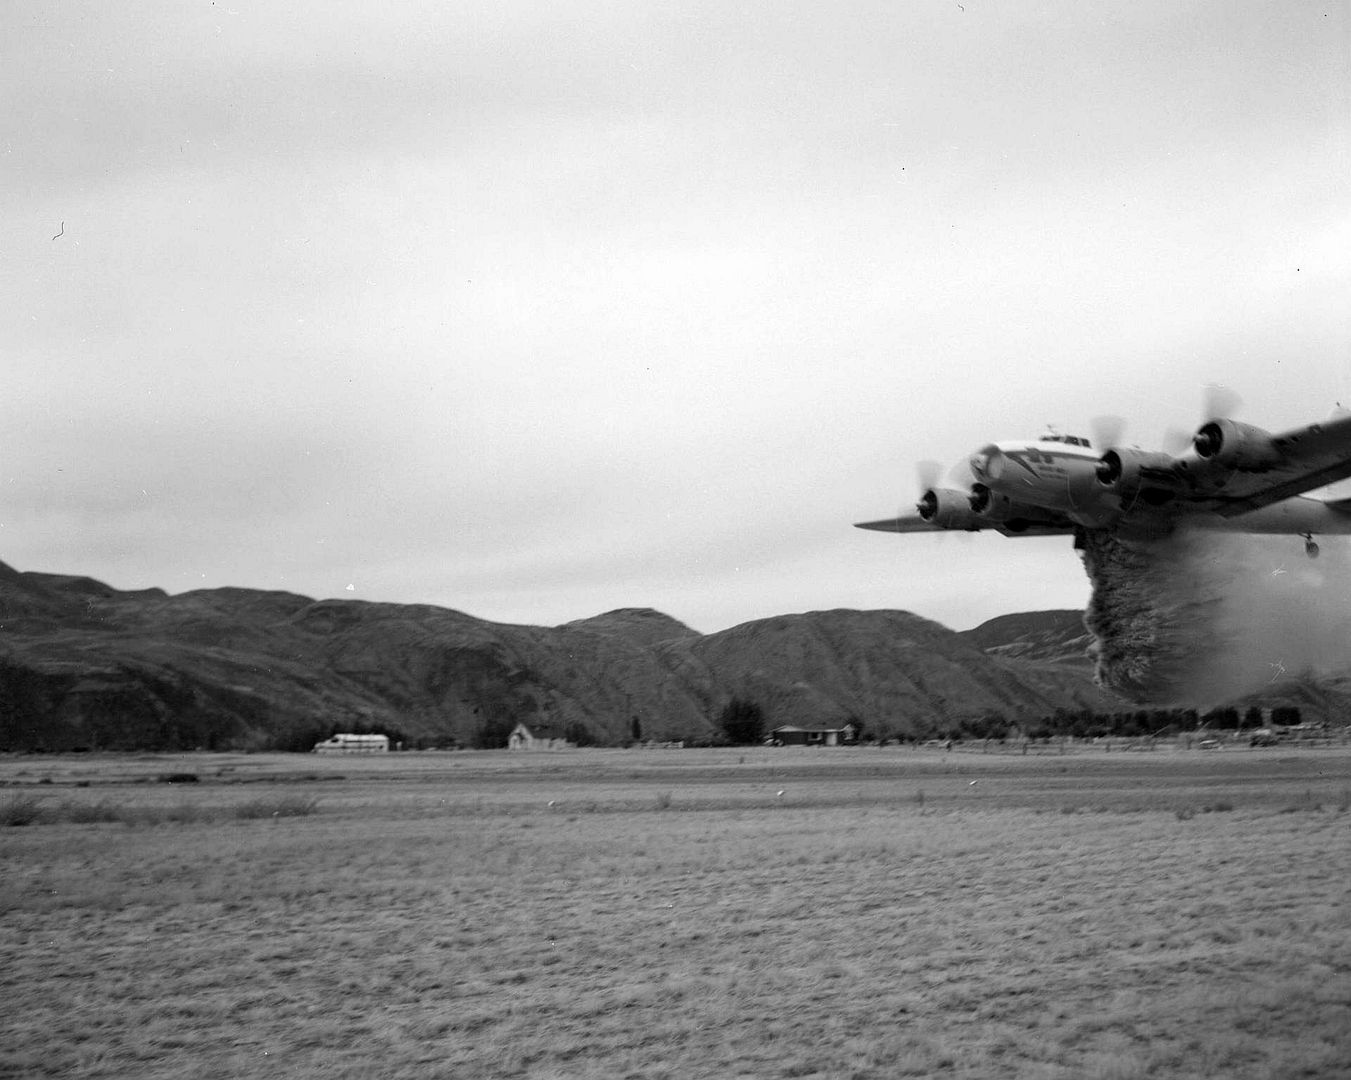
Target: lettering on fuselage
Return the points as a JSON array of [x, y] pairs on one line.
[[1055, 474], [1057, 477], [1042, 464]]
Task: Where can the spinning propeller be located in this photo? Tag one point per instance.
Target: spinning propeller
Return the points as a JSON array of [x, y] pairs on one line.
[[1107, 431], [1218, 403]]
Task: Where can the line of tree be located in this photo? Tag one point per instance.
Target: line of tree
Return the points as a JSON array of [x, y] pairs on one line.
[[1088, 724]]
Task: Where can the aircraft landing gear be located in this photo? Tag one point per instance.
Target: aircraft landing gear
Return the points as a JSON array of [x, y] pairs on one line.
[[1310, 548]]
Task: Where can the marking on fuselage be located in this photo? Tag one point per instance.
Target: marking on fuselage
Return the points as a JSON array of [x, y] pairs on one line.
[[1054, 463], [1017, 459]]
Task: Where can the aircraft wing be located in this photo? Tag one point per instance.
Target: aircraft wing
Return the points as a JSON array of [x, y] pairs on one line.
[[902, 523], [913, 523], [1308, 458]]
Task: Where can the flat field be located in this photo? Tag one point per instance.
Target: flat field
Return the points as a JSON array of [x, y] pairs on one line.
[[843, 913]]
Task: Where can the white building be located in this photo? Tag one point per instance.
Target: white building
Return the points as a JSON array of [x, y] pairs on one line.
[[353, 744], [537, 737]]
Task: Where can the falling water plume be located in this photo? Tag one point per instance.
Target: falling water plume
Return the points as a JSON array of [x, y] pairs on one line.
[[1202, 617]]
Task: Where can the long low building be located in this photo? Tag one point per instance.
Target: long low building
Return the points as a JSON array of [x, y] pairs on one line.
[[353, 744], [789, 735]]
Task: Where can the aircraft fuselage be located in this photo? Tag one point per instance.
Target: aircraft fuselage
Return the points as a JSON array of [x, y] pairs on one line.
[[1057, 473]]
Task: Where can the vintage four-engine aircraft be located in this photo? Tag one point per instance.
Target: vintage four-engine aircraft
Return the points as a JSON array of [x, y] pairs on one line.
[[1234, 477]]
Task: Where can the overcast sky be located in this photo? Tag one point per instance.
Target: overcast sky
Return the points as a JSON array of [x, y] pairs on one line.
[[535, 310]]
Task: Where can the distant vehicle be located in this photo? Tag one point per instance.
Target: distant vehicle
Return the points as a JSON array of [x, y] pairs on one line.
[[1234, 477], [353, 744], [1209, 744], [1262, 737]]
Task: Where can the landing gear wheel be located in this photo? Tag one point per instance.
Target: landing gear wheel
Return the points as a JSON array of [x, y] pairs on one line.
[[1310, 548]]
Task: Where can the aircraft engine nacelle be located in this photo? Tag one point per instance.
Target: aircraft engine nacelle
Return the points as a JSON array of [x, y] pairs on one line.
[[1126, 471], [991, 506], [948, 509], [1236, 446]]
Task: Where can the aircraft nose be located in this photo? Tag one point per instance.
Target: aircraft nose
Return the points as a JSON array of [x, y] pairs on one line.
[[988, 462]]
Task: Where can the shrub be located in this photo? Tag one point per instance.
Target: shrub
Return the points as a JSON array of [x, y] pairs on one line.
[[277, 806], [185, 813], [20, 810], [27, 810], [78, 813]]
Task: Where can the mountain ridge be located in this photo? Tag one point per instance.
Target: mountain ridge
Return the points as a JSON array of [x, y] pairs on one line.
[[85, 665]]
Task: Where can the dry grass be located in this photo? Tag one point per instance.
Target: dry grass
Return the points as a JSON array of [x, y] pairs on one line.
[[25, 809], [675, 917]]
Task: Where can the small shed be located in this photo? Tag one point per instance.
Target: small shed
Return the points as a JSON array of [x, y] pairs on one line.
[[537, 737], [790, 735]]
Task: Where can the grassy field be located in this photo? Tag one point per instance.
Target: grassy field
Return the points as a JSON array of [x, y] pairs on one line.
[[849, 913]]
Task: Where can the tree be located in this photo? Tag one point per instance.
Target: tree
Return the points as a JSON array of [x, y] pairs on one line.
[[742, 722], [1285, 715], [492, 732], [991, 725], [1222, 719]]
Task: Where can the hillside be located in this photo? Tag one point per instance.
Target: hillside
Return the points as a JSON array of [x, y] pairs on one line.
[[84, 665], [890, 669], [1044, 637]]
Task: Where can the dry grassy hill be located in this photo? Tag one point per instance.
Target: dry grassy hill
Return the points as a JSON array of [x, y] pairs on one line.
[[1044, 637], [85, 665], [889, 669]]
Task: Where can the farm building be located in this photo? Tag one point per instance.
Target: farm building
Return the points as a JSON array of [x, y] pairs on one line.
[[537, 737], [353, 744], [814, 736]]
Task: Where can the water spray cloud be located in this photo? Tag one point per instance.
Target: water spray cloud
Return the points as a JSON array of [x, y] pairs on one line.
[[1201, 618]]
